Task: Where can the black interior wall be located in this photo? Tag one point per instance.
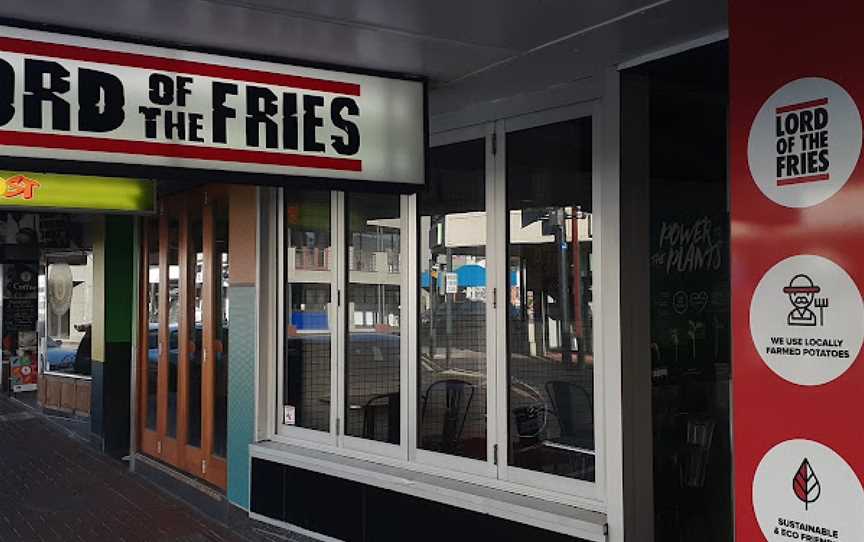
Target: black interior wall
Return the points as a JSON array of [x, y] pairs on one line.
[[674, 176]]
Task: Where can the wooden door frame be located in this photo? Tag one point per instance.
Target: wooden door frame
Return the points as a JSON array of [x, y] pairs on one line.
[[148, 438], [170, 452], [191, 460], [216, 471]]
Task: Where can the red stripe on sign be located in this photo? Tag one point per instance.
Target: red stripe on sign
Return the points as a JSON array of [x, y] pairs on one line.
[[802, 180], [174, 150], [802, 105], [148, 62]]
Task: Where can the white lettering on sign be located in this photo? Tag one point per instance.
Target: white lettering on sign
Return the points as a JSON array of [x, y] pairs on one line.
[[805, 142], [84, 99]]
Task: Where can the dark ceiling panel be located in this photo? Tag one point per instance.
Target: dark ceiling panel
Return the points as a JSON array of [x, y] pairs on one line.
[[472, 50]]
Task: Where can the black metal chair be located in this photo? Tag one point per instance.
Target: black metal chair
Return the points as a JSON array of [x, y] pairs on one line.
[[390, 402], [456, 408], [574, 409]]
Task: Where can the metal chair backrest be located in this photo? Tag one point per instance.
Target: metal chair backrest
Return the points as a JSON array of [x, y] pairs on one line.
[[573, 407], [457, 403], [391, 402]]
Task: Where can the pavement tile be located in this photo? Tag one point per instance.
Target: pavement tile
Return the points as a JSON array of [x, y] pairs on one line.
[[54, 488]]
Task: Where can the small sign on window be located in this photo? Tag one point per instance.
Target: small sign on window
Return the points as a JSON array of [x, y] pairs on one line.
[[288, 417], [451, 283]]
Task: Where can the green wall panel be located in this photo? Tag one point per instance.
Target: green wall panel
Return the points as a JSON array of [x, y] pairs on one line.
[[119, 271]]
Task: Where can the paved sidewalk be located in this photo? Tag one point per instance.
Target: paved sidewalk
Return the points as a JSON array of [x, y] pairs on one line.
[[53, 487]]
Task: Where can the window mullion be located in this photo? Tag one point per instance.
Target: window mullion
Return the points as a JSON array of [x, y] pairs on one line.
[[498, 242], [338, 302]]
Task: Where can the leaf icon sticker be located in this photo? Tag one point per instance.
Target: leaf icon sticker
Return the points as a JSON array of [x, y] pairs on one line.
[[806, 485]]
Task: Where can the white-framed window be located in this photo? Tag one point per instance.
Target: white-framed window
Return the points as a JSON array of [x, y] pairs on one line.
[[341, 376], [453, 331]]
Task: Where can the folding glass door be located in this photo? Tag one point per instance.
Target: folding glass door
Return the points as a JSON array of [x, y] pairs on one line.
[[341, 378], [184, 334], [456, 325], [505, 372], [552, 380]]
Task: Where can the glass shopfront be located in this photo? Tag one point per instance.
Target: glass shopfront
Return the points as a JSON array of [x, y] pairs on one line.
[[454, 329], [48, 305]]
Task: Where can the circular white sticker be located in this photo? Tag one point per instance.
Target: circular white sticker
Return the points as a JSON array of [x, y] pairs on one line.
[[803, 490], [805, 142], [807, 320]]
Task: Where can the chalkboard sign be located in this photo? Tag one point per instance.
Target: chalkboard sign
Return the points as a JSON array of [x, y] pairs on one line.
[[20, 296], [689, 291]]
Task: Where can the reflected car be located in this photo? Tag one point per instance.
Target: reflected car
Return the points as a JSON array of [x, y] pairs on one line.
[[174, 343], [153, 344]]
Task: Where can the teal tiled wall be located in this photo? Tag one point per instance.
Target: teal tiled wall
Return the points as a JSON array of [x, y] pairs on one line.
[[241, 391]]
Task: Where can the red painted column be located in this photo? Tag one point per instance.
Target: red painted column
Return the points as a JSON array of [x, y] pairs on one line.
[[797, 200]]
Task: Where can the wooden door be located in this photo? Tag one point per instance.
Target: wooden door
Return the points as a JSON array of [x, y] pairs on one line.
[[183, 384]]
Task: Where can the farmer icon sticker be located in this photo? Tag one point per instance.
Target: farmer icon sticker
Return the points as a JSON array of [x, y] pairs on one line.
[[804, 490], [802, 292], [807, 320], [804, 142]]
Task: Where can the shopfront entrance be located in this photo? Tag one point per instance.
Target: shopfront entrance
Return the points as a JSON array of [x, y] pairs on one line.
[[183, 358], [46, 265]]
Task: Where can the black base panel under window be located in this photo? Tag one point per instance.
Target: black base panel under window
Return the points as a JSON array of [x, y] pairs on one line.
[[355, 512]]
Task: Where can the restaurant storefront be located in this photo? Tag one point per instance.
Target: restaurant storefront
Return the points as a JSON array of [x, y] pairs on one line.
[[66, 263], [507, 295]]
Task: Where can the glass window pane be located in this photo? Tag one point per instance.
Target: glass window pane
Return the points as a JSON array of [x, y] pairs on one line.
[[221, 278], [550, 310], [175, 305], [372, 357], [195, 279], [69, 319], [690, 308], [308, 312], [452, 324], [153, 344]]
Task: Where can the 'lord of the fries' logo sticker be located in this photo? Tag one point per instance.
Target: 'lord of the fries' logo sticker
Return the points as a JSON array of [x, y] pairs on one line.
[[804, 490], [804, 142], [807, 320]]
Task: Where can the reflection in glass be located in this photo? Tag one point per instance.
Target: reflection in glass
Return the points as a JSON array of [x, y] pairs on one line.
[[153, 343], [69, 312], [308, 315], [174, 308], [372, 406], [690, 338], [550, 330], [195, 278], [452, 325], [221, 278]]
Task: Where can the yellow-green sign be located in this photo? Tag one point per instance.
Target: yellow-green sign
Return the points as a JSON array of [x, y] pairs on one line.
[[75, 192]]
